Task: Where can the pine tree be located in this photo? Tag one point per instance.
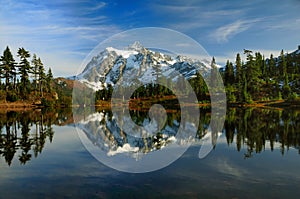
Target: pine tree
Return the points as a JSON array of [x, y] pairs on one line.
[[282, 65], [253, 72], [266, 71], [199, 87], [257, 75], [229, 74], [213, 74], [229, 82], [238, 76], [14, 75], [35, 72], [286, 90], [24, 69], [259, 64], [272, 66], [7, 66], [49, 79], [290, 65], [238, 68], [42, 76]]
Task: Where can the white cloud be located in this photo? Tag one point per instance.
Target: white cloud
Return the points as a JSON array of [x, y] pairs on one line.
[[287, 25], [57, 35], [193, 15], [91, 8], [61, 48], [99, 6], [224, 33]]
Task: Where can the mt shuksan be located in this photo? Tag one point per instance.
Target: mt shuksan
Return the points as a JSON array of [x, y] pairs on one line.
[[139, 62]]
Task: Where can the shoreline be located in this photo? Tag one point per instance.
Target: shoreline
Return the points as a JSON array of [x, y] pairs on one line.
[[147, 103]]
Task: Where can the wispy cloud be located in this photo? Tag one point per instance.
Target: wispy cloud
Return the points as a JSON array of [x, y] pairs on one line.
[[224, 33], [193, 15], [90, 7], [56, 31], [63, 31], [287, 25], [98, 6]]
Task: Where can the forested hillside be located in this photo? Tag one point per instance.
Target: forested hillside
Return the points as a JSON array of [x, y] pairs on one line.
[[261, 79], [24, 79]]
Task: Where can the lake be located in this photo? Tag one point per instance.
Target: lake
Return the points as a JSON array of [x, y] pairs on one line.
[[44, 154]]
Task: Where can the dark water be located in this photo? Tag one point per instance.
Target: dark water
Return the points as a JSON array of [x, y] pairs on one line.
[[256, 156]]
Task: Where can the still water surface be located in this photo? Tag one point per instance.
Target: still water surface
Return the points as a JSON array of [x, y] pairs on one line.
[[256, 156]]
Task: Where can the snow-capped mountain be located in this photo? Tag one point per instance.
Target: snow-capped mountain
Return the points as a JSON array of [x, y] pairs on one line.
[[140, 63]]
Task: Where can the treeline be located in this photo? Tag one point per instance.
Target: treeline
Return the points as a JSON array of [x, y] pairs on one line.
[[158, 91], [255, 79], [261, 79], [24, 79]]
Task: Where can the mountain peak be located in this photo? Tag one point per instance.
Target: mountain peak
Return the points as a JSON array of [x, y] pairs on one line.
[[136, 46], [135, 62]]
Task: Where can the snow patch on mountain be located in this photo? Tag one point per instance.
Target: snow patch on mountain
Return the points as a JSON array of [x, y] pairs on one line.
[[137, 63], [123, 53]]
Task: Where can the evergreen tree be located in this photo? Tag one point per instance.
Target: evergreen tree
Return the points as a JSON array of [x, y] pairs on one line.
[[14, 75], [229, 82], [229, 74], [35, 71], [259, 64], [213, 74], [272, 66], [238, 76], [199, 87], [290, 65], [42, 76], [286, 90], [7, 66], [282, 65], [252, 70], [266, 71], [238, 68], [49, 79], [24, 69]]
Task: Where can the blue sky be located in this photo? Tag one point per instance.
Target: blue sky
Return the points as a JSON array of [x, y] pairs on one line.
[[62, 33]]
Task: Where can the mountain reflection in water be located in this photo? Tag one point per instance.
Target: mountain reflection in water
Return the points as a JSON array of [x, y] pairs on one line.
[[254, 129], [24, 134]]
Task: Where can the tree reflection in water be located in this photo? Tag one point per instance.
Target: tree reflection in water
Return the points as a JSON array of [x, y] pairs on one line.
[[250, 129], [24, 133], [258, 129]]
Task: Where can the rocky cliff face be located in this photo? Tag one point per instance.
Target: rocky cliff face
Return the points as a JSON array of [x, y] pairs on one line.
[[139, 63]]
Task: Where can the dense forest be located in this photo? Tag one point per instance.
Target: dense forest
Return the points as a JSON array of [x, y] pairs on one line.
[[262, 79], [26, 80]]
